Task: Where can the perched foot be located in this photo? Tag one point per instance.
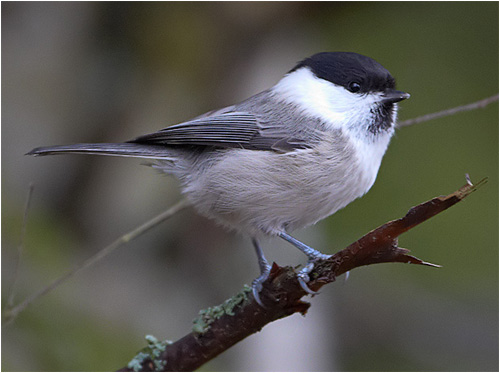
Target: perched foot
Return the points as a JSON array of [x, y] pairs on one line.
[[303, 278], [313, 255], [265, 269], [257, 285]]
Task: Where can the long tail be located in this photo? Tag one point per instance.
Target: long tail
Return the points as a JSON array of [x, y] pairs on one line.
[[116, 149]]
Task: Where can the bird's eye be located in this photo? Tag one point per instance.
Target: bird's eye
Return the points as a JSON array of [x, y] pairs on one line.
[[354, 87]]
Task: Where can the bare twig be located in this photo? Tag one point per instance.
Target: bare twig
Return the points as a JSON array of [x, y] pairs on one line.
[[11, 314], [20, 247], [218, 328], [444, 113]]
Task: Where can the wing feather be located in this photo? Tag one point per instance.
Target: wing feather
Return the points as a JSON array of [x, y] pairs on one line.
[[226, 130]]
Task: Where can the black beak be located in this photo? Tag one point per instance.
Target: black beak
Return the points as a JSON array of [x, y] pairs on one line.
[[392, 96]]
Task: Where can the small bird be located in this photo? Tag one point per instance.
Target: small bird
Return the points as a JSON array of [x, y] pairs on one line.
[[282, 159]]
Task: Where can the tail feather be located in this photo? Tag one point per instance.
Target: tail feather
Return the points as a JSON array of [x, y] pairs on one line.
[[115, 149]]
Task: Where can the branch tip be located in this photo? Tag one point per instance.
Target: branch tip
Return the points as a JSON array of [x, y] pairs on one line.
[[469, 187], [414, 260], [467, 178], [431, 264]]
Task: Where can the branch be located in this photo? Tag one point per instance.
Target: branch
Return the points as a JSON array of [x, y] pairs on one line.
[[20, 249], [218, 328], [445, 113], [11, 313]]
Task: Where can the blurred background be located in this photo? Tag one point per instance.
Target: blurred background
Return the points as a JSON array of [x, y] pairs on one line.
[[108, 72]]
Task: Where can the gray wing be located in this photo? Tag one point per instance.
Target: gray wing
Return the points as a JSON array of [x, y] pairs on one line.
[[225, 130]]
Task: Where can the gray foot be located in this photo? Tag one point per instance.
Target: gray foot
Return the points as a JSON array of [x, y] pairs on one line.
[[257, 285], [313, 255], [265, 269]]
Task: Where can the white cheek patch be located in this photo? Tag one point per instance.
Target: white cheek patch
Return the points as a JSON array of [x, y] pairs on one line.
[[340, 109], [334, 105]]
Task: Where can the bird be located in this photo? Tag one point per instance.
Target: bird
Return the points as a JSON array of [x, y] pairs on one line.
[[282, 159]]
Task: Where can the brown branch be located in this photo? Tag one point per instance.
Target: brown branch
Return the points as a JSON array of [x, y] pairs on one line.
[[220, 327]]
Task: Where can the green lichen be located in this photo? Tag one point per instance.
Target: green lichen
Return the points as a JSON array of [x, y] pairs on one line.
[[136, 363], [150, 353], [206, 317]]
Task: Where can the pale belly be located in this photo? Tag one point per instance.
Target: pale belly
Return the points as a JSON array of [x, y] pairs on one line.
[[266, 192]]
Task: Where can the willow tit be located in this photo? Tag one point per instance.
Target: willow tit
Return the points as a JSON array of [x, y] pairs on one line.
[[282, 159]]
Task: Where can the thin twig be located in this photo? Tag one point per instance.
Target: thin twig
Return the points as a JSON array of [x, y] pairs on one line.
[[12, 313], [444, 113], [20, 247]]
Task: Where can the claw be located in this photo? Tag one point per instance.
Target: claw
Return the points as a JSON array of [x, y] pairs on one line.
[[303, 285], [257, 285], [346, 277], [303, 278], [256, 289]]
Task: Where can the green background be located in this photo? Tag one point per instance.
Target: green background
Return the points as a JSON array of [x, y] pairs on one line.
[[108, 72]]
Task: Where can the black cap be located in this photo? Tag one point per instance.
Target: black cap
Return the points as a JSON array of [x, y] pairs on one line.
[[353, 71]]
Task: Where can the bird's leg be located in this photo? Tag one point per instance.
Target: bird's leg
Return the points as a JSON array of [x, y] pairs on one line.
[[312, 255], [265, 269]]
